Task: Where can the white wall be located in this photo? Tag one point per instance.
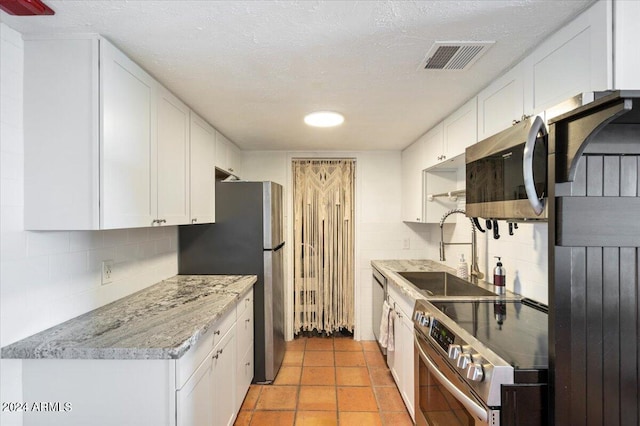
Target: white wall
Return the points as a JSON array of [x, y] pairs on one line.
[[523, 255], [49, 277]]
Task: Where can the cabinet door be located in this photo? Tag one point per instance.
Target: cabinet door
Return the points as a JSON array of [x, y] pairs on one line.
[[173, 159], [626, 34], [394, 357], [460, 129], [434, 145], [128, 142], [193, 400], [244, 330], [500, 103], [203, 174], [244, 376], [575, 59], [222, 151], [224, 380], [234, 159], [406, 338], [412, 165]]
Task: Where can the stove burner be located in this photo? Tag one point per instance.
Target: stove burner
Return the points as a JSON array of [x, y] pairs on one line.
[[516, 332]]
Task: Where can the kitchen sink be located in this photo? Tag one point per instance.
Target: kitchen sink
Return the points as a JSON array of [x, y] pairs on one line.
[[443, 284]]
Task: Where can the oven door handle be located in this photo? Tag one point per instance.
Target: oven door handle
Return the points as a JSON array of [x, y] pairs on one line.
[[476, 409], [527, 165]]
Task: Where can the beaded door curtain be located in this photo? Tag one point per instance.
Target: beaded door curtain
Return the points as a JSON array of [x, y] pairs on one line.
[[324, 245]]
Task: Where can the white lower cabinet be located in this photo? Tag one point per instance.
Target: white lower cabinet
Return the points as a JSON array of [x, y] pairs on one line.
[[204, 387], [244, 348], [193, 401], [400, 360], [224, 380], [206, 399]]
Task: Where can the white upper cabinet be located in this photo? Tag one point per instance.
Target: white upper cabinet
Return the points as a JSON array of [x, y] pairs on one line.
[[61, 133], [626, 33], [460, 130], [413, 160], [173, 162], [127, 144], [90, 137], [107, 146], [501, 103], [203, 174], [228, 155], [434, 146], [576, 59], [450, 138]]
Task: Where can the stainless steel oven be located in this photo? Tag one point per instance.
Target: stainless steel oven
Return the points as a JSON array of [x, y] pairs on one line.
[[471, 370]]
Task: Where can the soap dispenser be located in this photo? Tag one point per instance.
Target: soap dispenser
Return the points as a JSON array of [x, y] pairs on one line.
[[462, 271], [499, 277]]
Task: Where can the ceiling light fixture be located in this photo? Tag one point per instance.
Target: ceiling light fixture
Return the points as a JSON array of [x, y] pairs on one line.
[[324, 119]]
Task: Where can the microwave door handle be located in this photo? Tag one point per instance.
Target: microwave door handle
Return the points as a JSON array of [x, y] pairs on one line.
[[476, 409], [527, 165]]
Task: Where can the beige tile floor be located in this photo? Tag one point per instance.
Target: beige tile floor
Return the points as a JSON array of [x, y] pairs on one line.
[[327, 381]]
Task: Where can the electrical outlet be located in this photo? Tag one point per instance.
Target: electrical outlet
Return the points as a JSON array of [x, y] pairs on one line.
[[107, 271], [407, 243]]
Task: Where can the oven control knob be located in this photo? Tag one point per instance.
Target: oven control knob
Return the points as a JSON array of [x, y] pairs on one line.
[[454, 351], [475, 372], [464, 360], [425, 321]]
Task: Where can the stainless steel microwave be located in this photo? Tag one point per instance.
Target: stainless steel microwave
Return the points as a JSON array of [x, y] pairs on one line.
[[506, 174]]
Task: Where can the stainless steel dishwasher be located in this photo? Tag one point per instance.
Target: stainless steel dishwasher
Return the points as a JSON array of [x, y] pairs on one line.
[[379, 290]]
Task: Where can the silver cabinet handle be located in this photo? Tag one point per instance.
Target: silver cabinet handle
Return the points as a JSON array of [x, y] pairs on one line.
[[217, 332], [162, 221], [248, 320], [527, 165], [230, 169], [194, 220]]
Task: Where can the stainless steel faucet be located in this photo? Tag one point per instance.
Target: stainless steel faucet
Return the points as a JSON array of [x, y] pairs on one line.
[[475, 270]]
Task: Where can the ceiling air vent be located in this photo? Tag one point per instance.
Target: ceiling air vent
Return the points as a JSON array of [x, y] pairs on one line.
[[455, 55]]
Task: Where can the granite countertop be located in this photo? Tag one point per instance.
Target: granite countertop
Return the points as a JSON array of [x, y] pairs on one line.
[[389, 269], [160, 322]]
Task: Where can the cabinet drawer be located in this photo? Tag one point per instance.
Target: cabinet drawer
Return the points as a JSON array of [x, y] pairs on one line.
[[244, 330], [187, 365], [246, 301]]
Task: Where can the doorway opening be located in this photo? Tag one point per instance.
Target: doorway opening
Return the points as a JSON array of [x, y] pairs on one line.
[[323, 266]]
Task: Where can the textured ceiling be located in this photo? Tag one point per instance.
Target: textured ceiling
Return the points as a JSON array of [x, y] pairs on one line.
[[254, 69]]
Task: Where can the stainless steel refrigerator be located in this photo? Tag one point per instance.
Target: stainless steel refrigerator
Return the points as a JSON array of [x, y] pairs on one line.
[[247, 239]]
